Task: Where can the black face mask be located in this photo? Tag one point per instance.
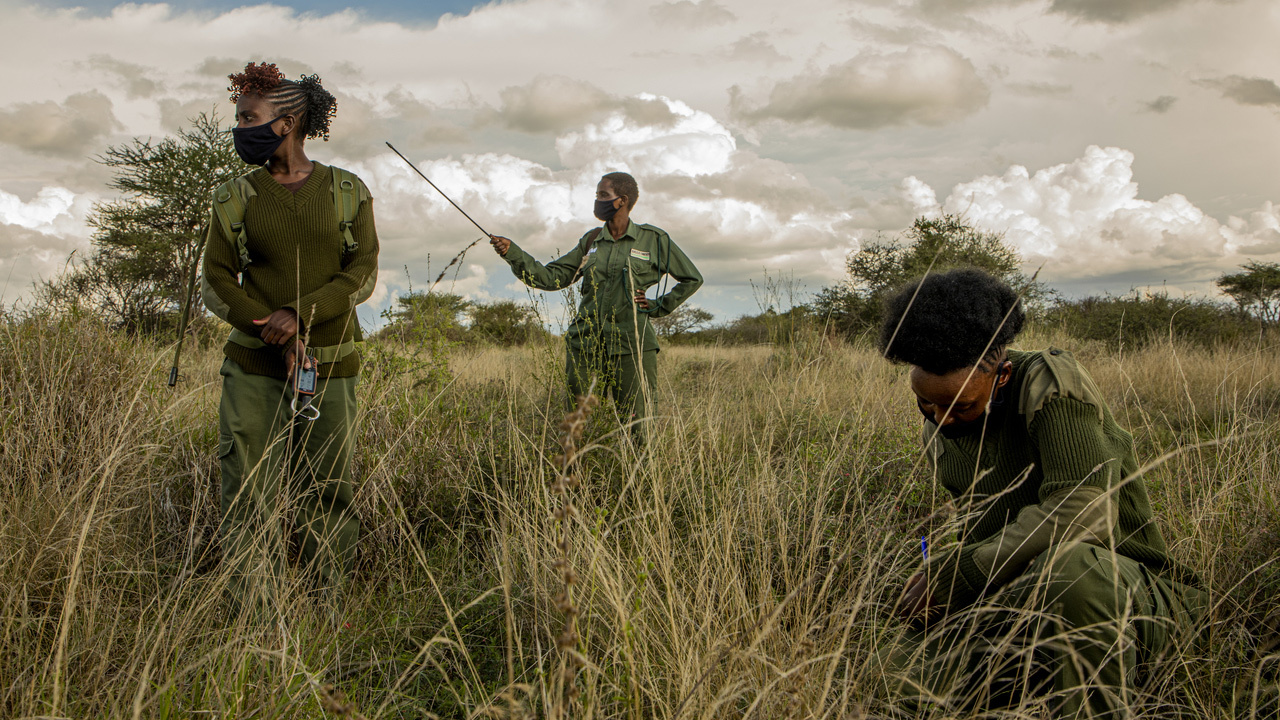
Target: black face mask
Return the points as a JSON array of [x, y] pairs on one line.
[[605, 210], [257, 144]]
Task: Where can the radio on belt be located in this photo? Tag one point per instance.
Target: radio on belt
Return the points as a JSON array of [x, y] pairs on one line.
[[304, 379], [304, 389]]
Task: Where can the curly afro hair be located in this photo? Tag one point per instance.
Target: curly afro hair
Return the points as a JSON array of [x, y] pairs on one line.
[[306, 98], [255, 79], [942, 323]]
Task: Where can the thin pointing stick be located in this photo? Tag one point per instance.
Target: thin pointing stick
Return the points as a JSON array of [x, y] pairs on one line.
[[446, 197], [456, 258]]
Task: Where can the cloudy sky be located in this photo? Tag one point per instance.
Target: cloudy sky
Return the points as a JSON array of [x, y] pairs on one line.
[[1117, 143]]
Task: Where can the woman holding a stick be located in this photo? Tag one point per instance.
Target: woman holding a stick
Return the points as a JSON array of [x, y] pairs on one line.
[[611, 338]]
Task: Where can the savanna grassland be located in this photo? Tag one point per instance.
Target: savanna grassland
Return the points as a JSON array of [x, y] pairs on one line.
[[744, 566]]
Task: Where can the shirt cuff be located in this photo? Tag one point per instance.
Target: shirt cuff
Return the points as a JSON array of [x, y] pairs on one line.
[[955, 579]]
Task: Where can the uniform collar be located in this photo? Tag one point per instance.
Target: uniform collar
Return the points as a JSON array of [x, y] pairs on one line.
[[633, 231]]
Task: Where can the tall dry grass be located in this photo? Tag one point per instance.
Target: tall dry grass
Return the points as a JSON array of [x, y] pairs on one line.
[[743, 565]]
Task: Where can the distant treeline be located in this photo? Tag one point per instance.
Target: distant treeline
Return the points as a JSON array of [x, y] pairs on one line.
[[851, 309], [1127, 321]]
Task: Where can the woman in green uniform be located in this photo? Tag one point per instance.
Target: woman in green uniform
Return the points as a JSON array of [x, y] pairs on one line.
[[1057, 530], [611, 338], [292, 249]]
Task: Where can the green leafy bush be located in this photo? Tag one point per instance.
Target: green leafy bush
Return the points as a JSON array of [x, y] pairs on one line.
[[505, 323], [852, 307], [1132, 321]]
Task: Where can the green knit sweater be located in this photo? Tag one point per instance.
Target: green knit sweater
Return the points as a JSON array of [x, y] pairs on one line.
[[1049, 436], [297, 261]]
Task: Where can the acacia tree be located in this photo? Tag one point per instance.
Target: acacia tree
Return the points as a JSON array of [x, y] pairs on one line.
[[146, 241], [423, 318], [930, 245], [505, 323], [684, 319], [936, 245], [1256, 290]]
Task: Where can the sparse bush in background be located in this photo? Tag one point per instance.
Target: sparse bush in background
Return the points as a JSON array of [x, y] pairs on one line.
[[505, 323], [434, 320], [681, 322], [767, 328], [1133, 321], [419, 318], [784, 319]]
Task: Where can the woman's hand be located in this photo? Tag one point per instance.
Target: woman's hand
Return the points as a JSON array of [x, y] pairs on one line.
[[916, 603], [291, 355], [500, 244], [279, 327], [641, 301]]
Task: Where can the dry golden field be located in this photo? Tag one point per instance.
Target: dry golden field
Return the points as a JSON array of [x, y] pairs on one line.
[[744, 566]]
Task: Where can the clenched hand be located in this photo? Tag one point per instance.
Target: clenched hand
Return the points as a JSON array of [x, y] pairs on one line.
[[279, 327]]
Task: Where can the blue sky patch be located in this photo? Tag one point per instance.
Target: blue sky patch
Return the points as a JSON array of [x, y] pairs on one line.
[[406, 11]]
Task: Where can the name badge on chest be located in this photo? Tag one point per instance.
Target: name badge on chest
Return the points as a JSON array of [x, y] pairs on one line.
[[640, 254]]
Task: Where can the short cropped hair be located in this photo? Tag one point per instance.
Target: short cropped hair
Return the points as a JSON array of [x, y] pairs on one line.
[[624, 184], [958, 319]]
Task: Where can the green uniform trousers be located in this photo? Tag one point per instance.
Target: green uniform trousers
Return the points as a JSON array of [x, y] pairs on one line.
[[631, 380], [278, 470], [1080, 621]]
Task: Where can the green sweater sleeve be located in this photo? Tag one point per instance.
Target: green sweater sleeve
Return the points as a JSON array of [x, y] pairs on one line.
[[220, 287], [688, 280], [1080, 514], [353, 284], [1073, 447], [1077, 504], [555, 275]]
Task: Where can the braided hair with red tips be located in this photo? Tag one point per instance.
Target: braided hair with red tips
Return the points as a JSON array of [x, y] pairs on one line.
[[304, 98]]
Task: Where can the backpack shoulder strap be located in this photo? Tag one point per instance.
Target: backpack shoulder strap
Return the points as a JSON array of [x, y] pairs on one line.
[[230, 201], [348, 194], [586, 253]]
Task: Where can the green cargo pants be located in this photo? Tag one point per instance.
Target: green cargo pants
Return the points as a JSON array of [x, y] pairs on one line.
[[1079, 622], [631, 380], [279, 469]]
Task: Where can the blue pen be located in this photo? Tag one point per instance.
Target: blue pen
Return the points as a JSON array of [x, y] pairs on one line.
[[924, 547]]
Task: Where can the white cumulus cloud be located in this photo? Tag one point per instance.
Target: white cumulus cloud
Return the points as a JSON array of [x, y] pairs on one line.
[[41, 213], [694, 143], [38, 235], [838, 128], [731, 210], [53, 211], [1085, 219]]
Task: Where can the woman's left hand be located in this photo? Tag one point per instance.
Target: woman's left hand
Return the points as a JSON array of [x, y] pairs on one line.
[[916, 603], [641, 301]]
